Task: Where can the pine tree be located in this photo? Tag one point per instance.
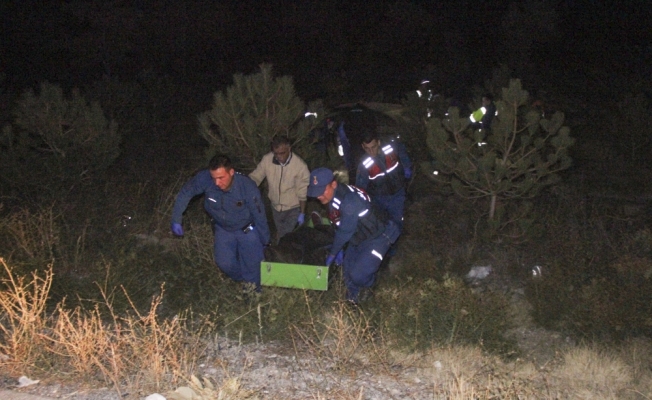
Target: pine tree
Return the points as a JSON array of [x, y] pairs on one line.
[[521, 154], [245, 118], [64, 140]]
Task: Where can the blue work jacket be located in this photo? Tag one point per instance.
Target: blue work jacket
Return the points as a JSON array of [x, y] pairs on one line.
[[232, 210], [354, 217], [388, 181]]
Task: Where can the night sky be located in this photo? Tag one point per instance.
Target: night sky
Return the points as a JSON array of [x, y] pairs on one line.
[[376, 46]]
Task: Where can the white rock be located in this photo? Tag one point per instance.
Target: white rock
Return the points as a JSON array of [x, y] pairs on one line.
[[25, 381], [479, 272], [155, 396], [537, 271]]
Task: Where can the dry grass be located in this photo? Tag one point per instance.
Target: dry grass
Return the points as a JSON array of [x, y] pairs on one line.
[[343, 336], [165, 202], [33, 235], [231, 389], [197, 244], [137, 352], [132, 351], [464, 372], [23, 317], [636, 353], [589, 372]]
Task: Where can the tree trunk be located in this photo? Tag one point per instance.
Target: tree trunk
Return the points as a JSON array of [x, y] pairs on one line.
[[492, 207]]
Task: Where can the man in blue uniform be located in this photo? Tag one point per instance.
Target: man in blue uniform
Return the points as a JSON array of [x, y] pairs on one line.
[[383, 173], [359, 226], [238, 215]]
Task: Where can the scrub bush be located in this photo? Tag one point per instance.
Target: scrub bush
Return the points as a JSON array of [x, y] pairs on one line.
[[417, 314], [55, 143], [597, 283], [505, 166]]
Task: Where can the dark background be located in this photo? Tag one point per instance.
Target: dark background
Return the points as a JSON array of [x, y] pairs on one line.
[[580, 57], [368, 48]]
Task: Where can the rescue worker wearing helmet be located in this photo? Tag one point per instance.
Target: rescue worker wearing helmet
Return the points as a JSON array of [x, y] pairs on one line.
[[383, 172], [363, 233]]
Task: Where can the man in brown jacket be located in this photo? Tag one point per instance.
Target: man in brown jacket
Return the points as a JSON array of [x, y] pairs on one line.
[[287, 180]]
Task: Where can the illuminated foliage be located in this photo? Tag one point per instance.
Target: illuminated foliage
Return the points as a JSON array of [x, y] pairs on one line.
[[520, 155], [254, 109]]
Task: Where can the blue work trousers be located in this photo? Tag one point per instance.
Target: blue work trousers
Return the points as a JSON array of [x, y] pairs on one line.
[[393, 204], [361, 262], [238, 254]]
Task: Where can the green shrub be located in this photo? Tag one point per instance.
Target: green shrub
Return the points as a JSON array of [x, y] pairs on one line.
[[417, 314], [55, 142], [597, 279], [512, 162], [244, 118]]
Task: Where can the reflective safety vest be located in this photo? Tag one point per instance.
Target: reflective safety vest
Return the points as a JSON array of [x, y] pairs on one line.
[[476, 116], [385, 179], [371, 223]]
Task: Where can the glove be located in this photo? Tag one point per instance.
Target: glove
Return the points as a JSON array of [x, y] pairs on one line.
[[177, 229], [408, 172], [301, 218], [329, 260], [339, 258]]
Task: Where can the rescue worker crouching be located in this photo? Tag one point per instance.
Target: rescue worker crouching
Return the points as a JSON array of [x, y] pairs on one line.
[[359, 226], [240, 227]]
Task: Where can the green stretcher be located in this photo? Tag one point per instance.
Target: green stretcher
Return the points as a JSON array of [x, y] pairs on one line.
[[294, 276]]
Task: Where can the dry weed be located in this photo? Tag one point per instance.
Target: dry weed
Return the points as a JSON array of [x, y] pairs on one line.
[[133, 351], [165, 202], [34, 235], [197, 243], [231, 389], [589, 372], [464, 372], [637, 353], [22, 305], [344, 335]]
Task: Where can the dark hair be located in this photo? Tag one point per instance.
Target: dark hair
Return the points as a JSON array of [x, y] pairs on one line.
[[369, 136], [279, 140], [220, 161], [488, 96]]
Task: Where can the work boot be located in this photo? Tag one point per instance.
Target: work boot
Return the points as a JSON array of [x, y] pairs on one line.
[[384, 265], [365, 295], [250, 292], [353, 306]]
